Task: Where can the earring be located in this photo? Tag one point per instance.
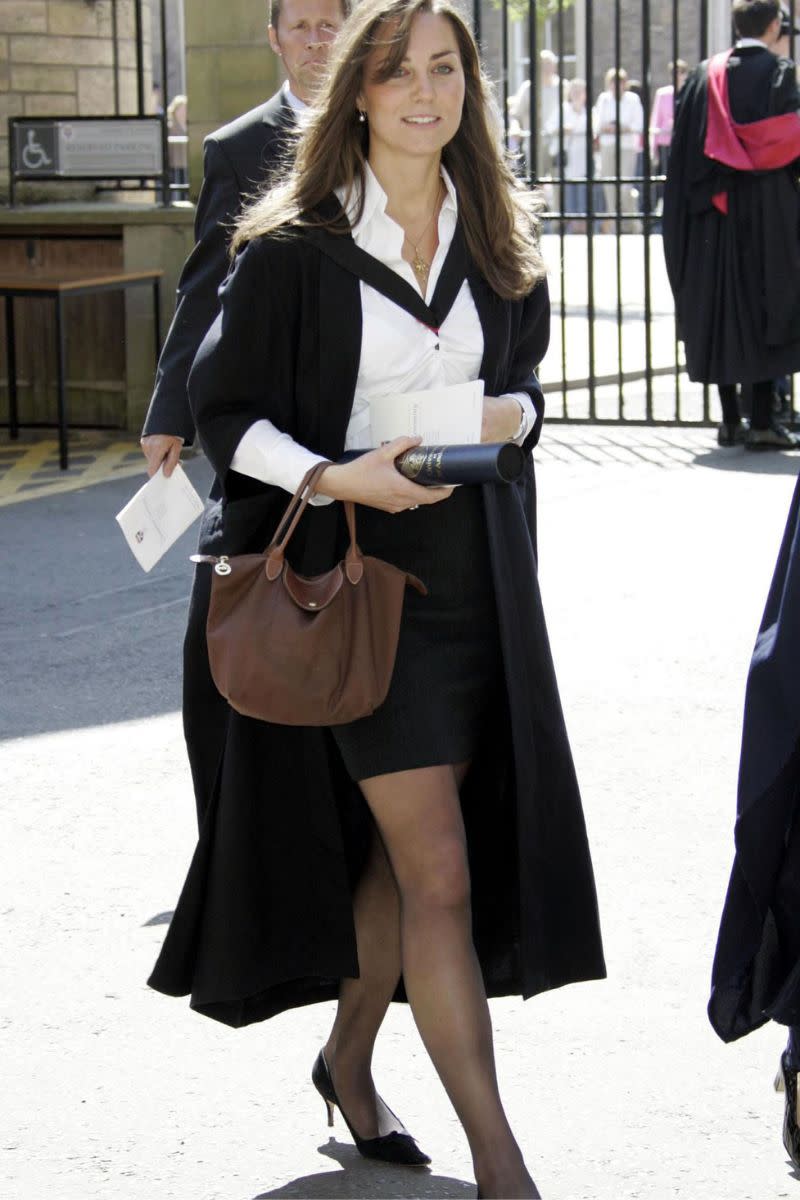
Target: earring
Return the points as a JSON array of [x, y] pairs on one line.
[[362, 116]]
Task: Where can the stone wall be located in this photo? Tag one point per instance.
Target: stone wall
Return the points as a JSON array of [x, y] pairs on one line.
[[57, 59], [229, 68]]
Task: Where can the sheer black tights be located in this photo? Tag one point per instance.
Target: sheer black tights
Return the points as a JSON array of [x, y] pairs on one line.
[[418, 816]]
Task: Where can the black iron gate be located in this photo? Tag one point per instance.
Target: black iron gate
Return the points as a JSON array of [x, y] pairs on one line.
[[614, 354]]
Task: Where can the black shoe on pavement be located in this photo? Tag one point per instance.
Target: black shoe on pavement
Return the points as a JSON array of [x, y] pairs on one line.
[[731, 433], [774, 437], [786, 1082], [395, 1147]]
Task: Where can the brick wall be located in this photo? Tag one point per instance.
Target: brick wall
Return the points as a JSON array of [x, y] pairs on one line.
[[57, 59]]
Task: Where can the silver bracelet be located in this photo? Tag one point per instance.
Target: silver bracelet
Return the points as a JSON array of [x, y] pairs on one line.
[[522, 428]]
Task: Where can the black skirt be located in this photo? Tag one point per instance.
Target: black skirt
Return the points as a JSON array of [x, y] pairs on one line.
[[448, 668]]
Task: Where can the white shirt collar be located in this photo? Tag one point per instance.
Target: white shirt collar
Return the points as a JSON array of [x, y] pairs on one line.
[[375, 200], [744, 42], [293, 101]]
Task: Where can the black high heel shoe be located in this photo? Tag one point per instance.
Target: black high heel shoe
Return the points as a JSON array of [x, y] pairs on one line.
[[786, 1081], [395, 1147]]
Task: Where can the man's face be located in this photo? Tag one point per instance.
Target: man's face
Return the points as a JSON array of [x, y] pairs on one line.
[[303, 38]]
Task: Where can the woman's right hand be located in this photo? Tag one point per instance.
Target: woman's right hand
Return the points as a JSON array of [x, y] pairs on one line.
[[373, 479]]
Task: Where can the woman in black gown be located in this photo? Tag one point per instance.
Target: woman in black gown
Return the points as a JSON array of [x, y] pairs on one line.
[[436, 851]]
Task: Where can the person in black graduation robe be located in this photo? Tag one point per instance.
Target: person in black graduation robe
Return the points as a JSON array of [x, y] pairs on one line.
[[535, 905], [501, 866], [731, 229], [756, 972]]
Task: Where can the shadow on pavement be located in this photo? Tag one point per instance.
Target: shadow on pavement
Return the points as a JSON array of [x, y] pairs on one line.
[[376, 1181], [86, 637], [760, 462], [162, 918]]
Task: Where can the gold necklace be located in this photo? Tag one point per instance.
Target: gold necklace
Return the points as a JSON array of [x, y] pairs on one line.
[[419, 265]]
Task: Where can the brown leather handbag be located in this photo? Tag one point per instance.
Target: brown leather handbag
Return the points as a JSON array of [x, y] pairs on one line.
[[299, 651]]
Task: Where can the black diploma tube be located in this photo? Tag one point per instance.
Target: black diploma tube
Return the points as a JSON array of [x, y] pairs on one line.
[[440, 466]]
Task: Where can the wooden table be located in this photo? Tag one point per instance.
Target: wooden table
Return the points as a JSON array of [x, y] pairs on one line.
[[57, 287]]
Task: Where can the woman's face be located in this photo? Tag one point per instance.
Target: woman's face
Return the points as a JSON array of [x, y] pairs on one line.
[[418, 110], [577, 95]]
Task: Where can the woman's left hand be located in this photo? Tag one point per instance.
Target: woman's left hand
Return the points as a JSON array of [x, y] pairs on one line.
[[501, 417]]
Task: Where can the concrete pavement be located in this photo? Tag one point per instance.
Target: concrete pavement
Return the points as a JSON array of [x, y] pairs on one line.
[[656, 554]]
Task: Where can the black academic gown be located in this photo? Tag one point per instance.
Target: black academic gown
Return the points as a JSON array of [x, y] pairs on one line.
[[239, 159], [735, 278], [756, 974], [264, 922]]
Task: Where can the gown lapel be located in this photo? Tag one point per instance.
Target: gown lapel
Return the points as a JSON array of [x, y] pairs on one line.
[[342, 250]]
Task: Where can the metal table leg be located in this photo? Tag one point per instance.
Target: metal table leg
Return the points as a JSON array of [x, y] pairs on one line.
[[11, 363], [61, 348]]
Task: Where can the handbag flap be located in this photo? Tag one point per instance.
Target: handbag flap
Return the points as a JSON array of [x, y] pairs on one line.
[[313, 594]]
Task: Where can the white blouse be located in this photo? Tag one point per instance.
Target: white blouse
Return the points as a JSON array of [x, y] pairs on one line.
[[398, 354]]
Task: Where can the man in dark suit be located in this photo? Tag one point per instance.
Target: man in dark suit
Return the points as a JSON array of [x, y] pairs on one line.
[[238, 159]]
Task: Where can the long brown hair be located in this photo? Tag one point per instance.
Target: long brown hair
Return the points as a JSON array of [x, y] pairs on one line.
[[497, 213]]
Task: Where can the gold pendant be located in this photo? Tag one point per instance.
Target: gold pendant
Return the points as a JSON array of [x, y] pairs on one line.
[[419, 265]]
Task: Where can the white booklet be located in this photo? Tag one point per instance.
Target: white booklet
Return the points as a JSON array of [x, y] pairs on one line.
[[158, 514], [443, 416]]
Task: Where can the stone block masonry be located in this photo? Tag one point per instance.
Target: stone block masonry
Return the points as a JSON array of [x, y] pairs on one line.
[[57, 58]]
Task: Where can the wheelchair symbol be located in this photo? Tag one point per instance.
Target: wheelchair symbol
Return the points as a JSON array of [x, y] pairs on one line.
[[34, 155]]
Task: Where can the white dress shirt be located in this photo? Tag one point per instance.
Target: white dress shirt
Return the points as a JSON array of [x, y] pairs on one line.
[[299, 106], [398, 354], [574, 124], [631, 119]]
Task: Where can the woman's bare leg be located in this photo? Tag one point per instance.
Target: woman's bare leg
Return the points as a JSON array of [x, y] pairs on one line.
[[418, 814]]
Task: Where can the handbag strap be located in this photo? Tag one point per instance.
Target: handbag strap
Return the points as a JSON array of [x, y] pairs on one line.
[[276, 550]]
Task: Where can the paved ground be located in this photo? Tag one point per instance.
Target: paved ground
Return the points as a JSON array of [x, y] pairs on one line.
[[29, 468], [656, 555]]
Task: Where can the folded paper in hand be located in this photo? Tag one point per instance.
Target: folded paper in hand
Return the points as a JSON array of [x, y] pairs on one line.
[[442, 416], [158, 514]]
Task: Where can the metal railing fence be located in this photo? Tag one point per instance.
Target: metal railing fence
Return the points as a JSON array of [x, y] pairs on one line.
[[615, 355]]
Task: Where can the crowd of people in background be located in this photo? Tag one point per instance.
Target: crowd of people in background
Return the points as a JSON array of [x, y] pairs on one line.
[[611, 131]]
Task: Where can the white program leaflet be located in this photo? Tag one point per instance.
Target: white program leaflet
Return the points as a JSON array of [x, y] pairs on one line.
[[158, 514], [443, 416]]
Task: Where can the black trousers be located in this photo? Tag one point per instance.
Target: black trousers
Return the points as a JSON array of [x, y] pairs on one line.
[[762, 404]]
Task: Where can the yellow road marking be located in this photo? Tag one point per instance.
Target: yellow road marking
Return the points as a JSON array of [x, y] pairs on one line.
[[104, 465], [106, 462], [23, 468]]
